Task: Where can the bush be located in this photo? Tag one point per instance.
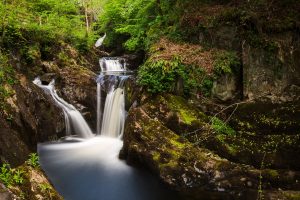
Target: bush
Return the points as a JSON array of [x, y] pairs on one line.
[[11, 177], [33, 160], [162, 76], [226, 63]]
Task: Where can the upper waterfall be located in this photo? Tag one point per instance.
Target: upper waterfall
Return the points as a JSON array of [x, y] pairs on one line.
[[111, 64], [73, 119]]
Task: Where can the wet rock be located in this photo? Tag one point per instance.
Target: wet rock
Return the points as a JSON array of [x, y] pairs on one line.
[[155, 137], [264, 129]]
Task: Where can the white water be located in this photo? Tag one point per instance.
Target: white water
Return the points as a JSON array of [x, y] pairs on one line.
[[114, 113], [99, 42], [113, 116], [108, 64], [73, 119], [99, 112]]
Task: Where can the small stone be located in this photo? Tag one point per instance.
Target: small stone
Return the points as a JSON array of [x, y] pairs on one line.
[[249, 183]]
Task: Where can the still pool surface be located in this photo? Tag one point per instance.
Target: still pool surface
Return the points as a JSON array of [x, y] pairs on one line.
[[89, 169]]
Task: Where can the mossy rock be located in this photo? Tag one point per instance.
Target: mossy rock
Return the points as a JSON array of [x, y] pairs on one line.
[[185, 167], [175, 113], [35, 185]]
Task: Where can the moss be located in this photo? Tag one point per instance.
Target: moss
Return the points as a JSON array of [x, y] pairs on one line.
[[187, 112], [156, 156], [273, 173], [232, 150], [187, 117], [292, 195], [177, 144], [221, 127]]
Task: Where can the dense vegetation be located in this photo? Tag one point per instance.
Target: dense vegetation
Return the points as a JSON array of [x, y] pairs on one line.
[[137, 25]]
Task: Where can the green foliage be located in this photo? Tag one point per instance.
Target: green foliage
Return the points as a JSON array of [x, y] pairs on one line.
[[221, 127], [11, 177], [27, 22], [197, 79], [137, 23], [33, 160], [44, 187], [7, 79], [162, 76], [226, 63]]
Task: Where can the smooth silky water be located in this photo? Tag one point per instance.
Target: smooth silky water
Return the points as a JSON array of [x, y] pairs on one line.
[[86, 166]]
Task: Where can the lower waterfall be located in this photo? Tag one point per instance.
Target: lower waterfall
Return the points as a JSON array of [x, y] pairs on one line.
[[74, 121]]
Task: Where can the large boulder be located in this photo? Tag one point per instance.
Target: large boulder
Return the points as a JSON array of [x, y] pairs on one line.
[[153, 139]]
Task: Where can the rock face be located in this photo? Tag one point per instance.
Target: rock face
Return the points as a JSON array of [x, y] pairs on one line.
[[150, 140], [225, 88], [272, 72], [270, 60], [31, 117]]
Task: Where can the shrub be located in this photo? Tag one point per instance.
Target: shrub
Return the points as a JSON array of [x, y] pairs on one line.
[[33, 160], [226, 63], [11, 177], [160, 75]]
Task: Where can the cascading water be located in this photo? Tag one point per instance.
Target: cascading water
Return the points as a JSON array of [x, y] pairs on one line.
[[111, 121], [73, 119], [114, 114], [90, 169], [109, 64]]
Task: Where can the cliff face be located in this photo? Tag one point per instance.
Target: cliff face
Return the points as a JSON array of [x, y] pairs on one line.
[[265, 35], [271, 71]]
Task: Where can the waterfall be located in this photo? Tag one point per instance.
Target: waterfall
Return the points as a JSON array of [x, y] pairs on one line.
[[109, 64], [73, 119], [114, 112], [113, 116]]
